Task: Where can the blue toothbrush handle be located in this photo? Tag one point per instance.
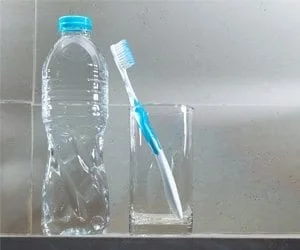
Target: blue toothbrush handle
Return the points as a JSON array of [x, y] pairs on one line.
[[146, 128]]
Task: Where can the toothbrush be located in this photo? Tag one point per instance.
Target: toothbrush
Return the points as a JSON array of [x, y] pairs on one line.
[[124, 59]]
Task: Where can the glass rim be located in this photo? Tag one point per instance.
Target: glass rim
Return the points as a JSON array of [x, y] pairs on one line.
[[175, 105]]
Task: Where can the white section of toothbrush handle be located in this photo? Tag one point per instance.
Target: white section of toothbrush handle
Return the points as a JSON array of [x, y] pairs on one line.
[[169, 183], [128, 86]]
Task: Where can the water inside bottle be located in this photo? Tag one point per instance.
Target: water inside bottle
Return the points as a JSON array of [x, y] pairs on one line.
[[75, 109]]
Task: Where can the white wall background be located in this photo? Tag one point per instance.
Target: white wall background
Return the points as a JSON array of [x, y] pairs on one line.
[[236, 62]]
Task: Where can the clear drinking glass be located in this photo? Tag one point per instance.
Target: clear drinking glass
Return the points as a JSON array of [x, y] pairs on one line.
[[149, 210]]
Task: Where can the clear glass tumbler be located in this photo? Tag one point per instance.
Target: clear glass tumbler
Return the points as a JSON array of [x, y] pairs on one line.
[[149, 210]]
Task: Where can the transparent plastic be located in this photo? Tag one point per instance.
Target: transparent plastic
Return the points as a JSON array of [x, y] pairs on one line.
[[75, 111]]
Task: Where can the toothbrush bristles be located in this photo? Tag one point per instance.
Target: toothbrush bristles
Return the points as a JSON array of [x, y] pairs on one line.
[[122, 54]]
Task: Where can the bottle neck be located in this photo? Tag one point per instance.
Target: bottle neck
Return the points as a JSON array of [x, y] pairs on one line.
[[84, 33]]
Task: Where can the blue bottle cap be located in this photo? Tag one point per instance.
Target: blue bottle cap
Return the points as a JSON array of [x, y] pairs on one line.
[[74, 23]]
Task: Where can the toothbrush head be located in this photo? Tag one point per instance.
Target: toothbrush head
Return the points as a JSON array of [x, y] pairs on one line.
[[122, 54]]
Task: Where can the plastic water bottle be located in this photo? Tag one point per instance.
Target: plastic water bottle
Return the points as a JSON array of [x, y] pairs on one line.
[[75, 111]]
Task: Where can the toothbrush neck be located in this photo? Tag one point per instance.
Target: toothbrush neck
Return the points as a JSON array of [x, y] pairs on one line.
[[129, 89]]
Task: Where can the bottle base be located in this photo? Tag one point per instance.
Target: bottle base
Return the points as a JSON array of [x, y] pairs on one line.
[[73, 232]]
